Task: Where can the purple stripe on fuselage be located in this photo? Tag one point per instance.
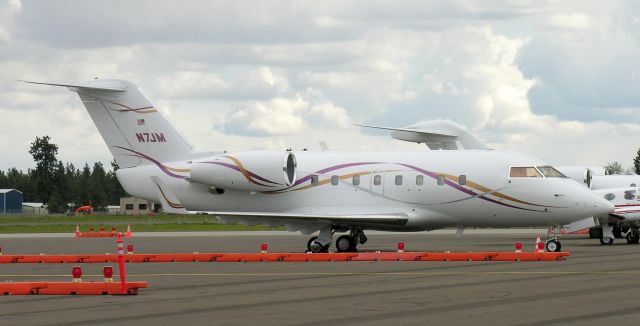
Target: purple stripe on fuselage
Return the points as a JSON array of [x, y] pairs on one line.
[[160, 165], [234, 167], [331, 168], [465, 190]]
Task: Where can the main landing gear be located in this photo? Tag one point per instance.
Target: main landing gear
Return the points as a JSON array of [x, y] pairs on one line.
[[344, 243], [349, 242]]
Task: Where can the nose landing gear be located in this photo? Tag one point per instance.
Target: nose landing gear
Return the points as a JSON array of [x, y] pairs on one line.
[[553, 244]]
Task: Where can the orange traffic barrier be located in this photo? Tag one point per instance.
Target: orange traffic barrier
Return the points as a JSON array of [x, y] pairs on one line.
[[102, 233], [67, 288], [303, 257], [181, 258], [288, 257], [21, 288], [388, 256]]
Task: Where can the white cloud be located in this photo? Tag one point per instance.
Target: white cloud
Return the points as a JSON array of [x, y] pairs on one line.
[[574, 21], [550, 79]]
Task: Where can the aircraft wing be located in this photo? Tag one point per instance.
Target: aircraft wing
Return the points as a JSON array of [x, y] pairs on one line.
[[303, 222]]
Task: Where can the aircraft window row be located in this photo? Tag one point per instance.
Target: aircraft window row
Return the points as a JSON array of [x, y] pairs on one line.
[[377, 180], [524, 172]]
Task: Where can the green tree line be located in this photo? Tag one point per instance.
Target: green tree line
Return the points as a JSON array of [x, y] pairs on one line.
[[63, 186]]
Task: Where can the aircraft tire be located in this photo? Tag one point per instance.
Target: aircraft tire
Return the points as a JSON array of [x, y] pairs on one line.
[[345, 243], [617, 232], [595, 233], [633, 237], [553, 246], [606, 241], [316, 247]]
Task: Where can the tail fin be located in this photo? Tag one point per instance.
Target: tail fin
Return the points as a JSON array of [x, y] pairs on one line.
[[129, 123]]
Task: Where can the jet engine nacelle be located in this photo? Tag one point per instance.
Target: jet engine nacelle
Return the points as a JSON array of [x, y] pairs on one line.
[[250, 171]]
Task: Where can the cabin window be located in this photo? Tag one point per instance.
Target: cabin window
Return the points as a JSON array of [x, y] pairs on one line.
[[356, 180], [440, 180], [142, 207], [314, 180], [610, 196], [334, 180], [377, 180], [398, 180], [629, 194], [632, 185], [551, 172], [419, 180], [462, 180], [128, 207], [524, 172]]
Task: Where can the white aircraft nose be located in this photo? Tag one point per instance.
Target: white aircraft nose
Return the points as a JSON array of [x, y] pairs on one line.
[[602, 207]]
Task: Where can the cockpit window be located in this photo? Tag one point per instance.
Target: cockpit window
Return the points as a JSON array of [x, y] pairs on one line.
[[629, 194], [550, 172], [524, 172]]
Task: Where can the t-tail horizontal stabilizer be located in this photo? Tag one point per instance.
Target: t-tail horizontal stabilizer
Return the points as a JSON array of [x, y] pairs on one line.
[[94, 85]]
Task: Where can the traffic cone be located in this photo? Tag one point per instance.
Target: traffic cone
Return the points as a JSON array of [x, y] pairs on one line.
[[77, 231], [539, 245], [128, 234]]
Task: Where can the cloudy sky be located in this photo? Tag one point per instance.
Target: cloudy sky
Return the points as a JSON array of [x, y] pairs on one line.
[[556, 79]]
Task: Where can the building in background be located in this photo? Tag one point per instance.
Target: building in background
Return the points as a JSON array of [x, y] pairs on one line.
[[10, 201], [137, 206]]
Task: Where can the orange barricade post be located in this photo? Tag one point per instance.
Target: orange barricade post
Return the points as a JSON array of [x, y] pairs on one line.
[[123, 276]]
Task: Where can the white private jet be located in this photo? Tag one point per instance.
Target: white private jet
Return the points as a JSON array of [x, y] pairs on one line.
[[330, 191]]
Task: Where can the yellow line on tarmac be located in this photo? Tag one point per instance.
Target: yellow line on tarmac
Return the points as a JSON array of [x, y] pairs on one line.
[[349, 273]]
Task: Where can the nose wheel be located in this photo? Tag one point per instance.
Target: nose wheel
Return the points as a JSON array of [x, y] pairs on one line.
[[607, 241], [553, 245]]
